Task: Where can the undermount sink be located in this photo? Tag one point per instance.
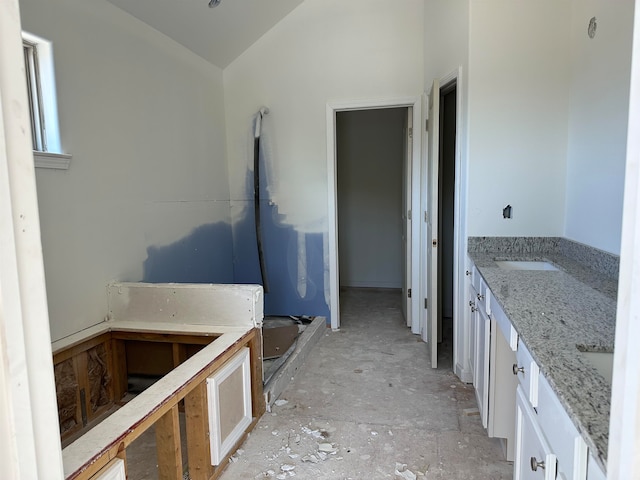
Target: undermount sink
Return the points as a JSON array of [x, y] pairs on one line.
[[525, 265], [602, 362]]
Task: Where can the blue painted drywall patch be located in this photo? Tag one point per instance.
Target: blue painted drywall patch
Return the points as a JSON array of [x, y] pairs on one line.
[[204, 256], [294, 261]]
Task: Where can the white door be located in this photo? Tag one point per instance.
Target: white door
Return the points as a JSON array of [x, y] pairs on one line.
[[406, 217], [431, 218]]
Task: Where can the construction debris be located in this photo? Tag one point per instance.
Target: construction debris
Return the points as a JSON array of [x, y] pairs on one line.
[[403, 473]]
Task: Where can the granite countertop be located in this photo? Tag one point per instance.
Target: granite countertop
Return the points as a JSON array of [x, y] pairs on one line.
[[556, 313]]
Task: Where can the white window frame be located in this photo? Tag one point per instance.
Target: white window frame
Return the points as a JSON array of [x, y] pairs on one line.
[[41, 85]]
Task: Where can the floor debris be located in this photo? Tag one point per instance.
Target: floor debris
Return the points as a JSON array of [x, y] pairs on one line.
[[342, 425], [403, 473], [280, 403], [326, 447]]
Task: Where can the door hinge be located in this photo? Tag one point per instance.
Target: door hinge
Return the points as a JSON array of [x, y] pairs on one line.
[[409, 293], [426, 217], [409, 215], [411, 132], [425, 303], [426, 125]]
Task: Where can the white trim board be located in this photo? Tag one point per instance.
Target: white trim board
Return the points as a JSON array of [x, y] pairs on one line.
[[332, 233]]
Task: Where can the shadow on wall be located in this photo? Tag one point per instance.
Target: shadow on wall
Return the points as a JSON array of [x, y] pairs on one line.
[[204, 256], [216, 253]]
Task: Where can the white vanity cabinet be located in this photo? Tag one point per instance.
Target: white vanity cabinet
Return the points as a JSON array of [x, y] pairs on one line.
[[502, 382], [541, 415], [534, 459], [492, 358], [481, 349], [527, 372], [517, 403], [565, 440], [470, 302]]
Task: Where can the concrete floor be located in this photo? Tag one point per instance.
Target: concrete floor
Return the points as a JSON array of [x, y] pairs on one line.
[[368, 405]]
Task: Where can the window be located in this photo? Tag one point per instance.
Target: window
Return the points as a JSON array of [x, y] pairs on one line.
[[34, 92], [41, 90]]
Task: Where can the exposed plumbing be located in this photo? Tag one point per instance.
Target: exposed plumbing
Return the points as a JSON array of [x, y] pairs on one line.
[[256, 197], [263, 111]]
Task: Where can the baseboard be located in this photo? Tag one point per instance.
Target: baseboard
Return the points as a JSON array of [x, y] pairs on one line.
[[465, 376]]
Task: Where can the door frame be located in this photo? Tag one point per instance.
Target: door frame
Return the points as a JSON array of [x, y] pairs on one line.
[[29, 430], [460, 340], [332, 234]]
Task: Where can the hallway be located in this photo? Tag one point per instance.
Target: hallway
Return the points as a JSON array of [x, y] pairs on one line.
[[367, 400]]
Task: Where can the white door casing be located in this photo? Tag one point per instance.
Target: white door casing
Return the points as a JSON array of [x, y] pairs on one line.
[[431, 220], [406, 217], [414, 104], [28, 409]]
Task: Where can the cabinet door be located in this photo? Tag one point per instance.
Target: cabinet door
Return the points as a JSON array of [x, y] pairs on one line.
[[473, 333], [502, 390], [534, 460], [483, 332]]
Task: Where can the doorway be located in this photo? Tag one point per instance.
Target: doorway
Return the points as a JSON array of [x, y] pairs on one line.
[[371, 190], [411, 202], [446, 221]]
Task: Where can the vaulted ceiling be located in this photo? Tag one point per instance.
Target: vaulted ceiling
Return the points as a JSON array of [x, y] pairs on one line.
[[218, 34]]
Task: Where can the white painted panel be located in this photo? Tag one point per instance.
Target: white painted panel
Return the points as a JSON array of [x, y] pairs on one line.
[[528, 373], [531, 445], [115, 470], [502, 321], [562, 435], [204, 304], [502, 391], [221, 441]]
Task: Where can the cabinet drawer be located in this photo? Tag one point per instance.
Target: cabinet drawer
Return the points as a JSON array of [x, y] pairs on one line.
[[531, 447], [503, 323], [483, 296], [528, 373], [476, 278], [563, 437]]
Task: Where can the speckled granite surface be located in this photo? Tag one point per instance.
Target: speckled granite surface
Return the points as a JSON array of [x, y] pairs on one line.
[[554, 313]]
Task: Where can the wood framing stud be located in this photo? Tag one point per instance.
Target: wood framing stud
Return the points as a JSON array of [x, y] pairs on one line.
[[258, 403], [197, 417], [168, 446]]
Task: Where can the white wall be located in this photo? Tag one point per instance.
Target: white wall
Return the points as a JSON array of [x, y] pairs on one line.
[[370, 147], [144, 120], [324, 51], [446, 38], [599, 89], [518, 107]]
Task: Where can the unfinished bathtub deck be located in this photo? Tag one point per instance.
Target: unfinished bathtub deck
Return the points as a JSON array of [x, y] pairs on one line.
[[366, 405]]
